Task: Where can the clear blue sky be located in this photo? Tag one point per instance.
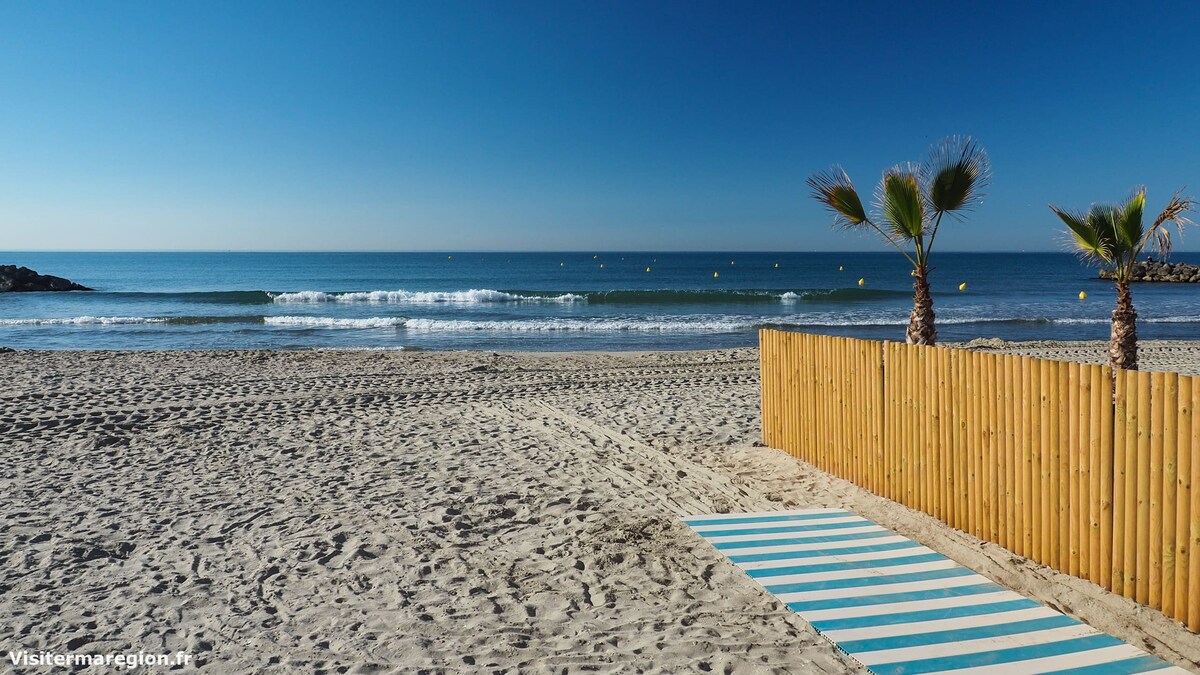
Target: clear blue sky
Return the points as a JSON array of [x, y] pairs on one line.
[[570, 125]]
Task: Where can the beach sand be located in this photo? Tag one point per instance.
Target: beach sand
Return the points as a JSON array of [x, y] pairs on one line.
[[385, 511]]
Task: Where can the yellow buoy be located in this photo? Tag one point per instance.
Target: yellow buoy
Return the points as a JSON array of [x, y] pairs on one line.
[[647, 269], [962, 286], [1082, 295], [716, 275], [776, 265], [840, 268], [862, 282]]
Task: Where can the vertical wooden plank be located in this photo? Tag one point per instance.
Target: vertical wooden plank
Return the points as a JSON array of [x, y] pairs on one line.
[[763, 384], [1119, 479], [817, 373], [1082, 469], [900, 423], [971, 398], [881, 411], [864, 401], [1131, 482], [1183, 499], [894, 379], [779, 391], [854, 413], [1064, 468], [1027, 448], [995, 452], [1158, 403], [1008, 517], [821, 404], [866, 415], [1033, 436], [929, 428], [961, 442], [836, 421], [1142, 594], [987, 488], [780, 402], [924, 428], [1096, 402], [1045, 474], [843, 424], [1193, 614], [1072, 451], [1105, 461], [950, 423], [909, 425], [1170, 474], [777, 368], [889, 418], [1057, 410]]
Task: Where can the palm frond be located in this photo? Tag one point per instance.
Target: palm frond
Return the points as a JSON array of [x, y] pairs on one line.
[[956, 173], [1105, 219], [1088, 241], [900, 202], [1128, 221], [834, 189], [1160, 235]]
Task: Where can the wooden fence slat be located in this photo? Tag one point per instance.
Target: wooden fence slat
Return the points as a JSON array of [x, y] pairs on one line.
[[1143, 489], [1158, 404], [1045, 503], [1104, 455], [1170, 476], [1073, 420], [1193, 615], [975, 439], [1183, 499], [1086, 429], [1119, 496]]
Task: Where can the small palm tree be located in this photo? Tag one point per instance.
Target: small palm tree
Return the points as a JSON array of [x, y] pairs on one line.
[[1114, 237], [910, 203]]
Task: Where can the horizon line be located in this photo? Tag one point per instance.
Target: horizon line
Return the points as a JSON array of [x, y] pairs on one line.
[[500, 251]]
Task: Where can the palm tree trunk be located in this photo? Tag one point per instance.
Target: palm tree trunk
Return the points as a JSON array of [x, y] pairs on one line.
[[1122, 348], [921, 328]]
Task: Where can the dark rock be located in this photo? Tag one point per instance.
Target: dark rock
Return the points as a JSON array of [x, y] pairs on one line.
[[13, 278], [1161, 272]]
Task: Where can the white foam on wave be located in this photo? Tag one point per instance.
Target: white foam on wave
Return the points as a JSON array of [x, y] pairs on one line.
[[474, 296], [647, 324], [332, 322], [609, 325], [83, 321]]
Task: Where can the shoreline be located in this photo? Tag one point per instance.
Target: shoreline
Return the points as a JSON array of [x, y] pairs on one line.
[[449, 510]]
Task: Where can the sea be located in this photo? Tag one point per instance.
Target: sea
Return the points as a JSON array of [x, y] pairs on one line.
[[592, 300]]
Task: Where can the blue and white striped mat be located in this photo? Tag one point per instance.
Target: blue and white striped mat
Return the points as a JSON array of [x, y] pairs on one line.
[[898, 607]]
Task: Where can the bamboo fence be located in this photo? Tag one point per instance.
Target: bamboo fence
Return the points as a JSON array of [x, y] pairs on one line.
[[1095, 476]]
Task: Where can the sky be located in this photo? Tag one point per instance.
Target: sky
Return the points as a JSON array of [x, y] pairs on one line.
[[570, 125]]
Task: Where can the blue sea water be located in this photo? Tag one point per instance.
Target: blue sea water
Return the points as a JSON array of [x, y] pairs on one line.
[[557, 301]]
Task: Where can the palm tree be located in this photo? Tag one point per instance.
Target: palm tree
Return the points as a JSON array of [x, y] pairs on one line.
[[1114, 237], [910, 203]]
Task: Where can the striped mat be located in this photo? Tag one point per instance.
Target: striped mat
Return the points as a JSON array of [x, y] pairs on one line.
[[898, 607]]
